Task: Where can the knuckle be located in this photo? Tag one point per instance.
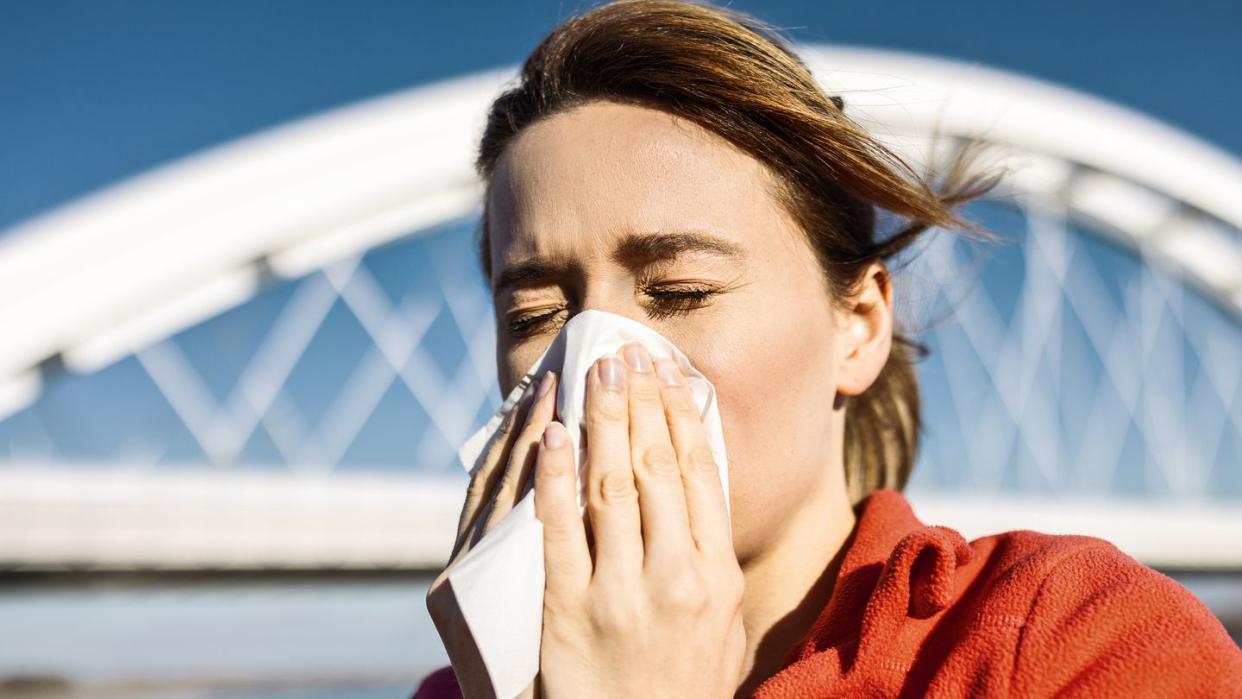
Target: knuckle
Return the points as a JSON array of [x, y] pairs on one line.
[[681, 403], [478, 483], [556, 529], [659, 460], [482, 480], [645, 391], [702, 460], [616, 487], [609, 410], [551, 467], [612, 616], [683, 590]]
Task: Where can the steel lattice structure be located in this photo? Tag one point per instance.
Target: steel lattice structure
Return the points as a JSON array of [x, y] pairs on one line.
[[228, 285]]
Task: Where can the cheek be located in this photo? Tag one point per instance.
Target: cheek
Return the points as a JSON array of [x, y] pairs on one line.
[[775, 384], [775, 397], [772, 371], [513, 360]]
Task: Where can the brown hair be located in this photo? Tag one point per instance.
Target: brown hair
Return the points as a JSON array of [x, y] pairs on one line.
[[736, 76]]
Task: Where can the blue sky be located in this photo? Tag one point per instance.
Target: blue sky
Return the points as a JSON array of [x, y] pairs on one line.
[[94, 91]]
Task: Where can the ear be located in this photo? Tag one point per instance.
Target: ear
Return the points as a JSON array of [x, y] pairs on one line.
[[865, 332]]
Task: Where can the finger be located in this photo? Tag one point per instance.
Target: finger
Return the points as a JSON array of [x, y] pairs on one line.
[[485, 478], [661, 499], [705, 503], [526, 480], [567, 560], [612, 500], [525, 449]]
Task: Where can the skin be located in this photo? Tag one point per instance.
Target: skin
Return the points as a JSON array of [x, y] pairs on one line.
[[656, 596]]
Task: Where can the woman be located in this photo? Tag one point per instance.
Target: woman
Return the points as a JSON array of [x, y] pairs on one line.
[[677, 164]]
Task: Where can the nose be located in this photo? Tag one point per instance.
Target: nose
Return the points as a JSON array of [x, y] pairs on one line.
[[617, 302]]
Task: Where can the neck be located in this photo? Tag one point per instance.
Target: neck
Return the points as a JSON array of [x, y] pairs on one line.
[[790, 583]]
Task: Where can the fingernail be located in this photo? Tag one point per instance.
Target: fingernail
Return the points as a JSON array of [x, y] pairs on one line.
[[545, 384], [554, 435], [637, 358], [668, 372], [611, 372]]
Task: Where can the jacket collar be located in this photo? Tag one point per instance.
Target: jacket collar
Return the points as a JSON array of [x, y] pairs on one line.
[[895, 567]]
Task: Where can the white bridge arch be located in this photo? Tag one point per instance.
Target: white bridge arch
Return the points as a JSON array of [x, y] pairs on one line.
[[118, 273]]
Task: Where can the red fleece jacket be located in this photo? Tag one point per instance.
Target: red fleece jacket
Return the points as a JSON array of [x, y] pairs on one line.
[[919, 611]]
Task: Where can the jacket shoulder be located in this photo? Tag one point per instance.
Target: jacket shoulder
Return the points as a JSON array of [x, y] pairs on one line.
[[1101, 622]]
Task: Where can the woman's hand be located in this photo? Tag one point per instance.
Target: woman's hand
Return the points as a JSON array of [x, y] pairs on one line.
[[653, 607], [495, 488]]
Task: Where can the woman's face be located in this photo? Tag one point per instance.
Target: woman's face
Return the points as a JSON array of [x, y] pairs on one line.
[[641, 213]]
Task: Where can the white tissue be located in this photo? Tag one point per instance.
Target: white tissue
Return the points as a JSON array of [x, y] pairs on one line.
[[499, 583]]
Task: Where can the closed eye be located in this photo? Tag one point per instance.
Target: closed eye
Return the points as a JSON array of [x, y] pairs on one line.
[[666, 303], [678, 302]]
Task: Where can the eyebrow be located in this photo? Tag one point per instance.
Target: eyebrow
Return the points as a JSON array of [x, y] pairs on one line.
[[634, 250]]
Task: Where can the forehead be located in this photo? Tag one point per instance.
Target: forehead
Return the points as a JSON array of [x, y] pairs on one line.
[[572, 184]]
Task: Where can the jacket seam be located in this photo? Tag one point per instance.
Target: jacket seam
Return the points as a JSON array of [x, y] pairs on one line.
[[1039, 593]]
